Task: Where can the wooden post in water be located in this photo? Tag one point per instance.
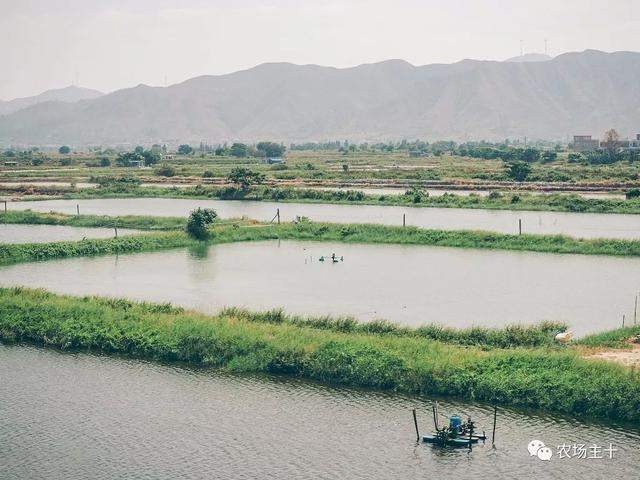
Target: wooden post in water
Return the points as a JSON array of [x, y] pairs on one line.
[[635, 311], [623, 320], [404, 219], [278, 215], [495, 415], [415, 422], [519, 226], [115, 228], [78, 209], [5, 206]]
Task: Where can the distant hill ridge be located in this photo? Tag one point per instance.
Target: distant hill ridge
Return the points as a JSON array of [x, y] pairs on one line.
[[582, 93], [67, 94]]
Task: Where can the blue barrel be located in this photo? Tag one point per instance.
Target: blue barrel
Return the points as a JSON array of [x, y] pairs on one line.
[[455, 422]]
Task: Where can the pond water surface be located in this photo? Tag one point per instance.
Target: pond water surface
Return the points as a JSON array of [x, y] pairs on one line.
[[77, 416], [15, 233], [584, 225], [409, 285]]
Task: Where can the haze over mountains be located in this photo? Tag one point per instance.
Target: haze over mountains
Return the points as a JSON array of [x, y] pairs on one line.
[[574, 93], [67, 94]]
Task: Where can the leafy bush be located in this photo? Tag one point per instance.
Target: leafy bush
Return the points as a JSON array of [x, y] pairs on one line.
[[165, 171], [199, 221], [633, 193], [207, 174]]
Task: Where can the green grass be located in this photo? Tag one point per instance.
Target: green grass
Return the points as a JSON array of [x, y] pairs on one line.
[[237, 231], [31, 252], [503, 201], [544, 378], [363, 233], [136, 222], [511, 336], [612, 339]]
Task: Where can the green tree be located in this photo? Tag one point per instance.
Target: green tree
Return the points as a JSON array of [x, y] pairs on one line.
[[199, 221], [125, 159], [548, 156], [244, 178], [238, 150], [139, 150], [518, 171], [271, 149], [64, 150], [151, 157], [185, 149], [611, 144]]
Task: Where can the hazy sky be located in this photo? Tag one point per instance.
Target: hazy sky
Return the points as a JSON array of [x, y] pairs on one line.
[[112, 44]]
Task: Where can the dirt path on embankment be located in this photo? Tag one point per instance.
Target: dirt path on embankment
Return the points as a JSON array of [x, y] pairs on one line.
[[628, 358]]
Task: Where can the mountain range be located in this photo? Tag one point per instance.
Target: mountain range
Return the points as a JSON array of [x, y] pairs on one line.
[[573, 93], [67, 94]]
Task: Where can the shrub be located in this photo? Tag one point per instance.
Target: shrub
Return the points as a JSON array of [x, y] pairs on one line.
[[199, 221], [518, 171], [633, 193], [165, 171], [207, 174]]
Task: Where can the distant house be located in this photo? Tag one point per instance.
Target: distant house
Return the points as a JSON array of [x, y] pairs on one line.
[[584, 143], [10, 164], [272, 160], [136, 163], [635, 144]]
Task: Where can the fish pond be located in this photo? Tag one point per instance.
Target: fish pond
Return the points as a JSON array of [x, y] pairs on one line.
[[408, 285], [583, 225], [18, 233], [78, 416]]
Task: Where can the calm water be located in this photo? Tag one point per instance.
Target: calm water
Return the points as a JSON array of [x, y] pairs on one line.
[[77, 416], [586, 225], [10, 233], [410, 285]]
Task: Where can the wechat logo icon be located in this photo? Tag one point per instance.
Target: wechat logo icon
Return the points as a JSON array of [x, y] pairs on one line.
[[539, 449]]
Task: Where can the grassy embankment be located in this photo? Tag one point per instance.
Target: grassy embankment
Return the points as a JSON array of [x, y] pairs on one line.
[[553, 379], [496, 201], [240, 231], [138, 222]]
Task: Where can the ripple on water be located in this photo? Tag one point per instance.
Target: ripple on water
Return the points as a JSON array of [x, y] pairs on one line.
[[80, 416]]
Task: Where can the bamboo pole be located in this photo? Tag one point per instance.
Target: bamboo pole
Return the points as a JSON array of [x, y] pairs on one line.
[[495, 416], [415, 422]]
